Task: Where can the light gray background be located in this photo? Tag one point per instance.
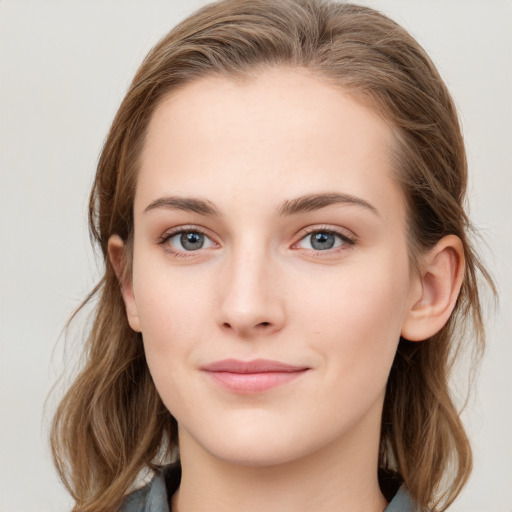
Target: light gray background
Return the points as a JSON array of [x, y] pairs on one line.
[[65, 66]]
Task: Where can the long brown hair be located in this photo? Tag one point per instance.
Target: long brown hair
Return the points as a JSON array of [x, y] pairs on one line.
[[111, 424]]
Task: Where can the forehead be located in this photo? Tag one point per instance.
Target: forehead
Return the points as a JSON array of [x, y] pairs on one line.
[[282, 132]]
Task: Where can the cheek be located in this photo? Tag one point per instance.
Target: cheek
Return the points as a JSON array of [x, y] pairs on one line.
[[365, 294], [172, 307], [172, 317], [355, 319], [171, 312]]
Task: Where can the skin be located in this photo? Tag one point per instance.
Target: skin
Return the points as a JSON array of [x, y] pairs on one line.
[[258, 288]]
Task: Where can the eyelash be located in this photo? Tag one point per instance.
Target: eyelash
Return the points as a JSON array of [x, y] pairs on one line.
[[166, 237], [347, 241]]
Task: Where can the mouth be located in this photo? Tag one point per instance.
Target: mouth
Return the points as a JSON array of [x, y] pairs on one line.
[[249, 377]]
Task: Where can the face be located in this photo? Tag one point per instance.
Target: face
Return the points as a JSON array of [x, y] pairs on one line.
[[270, 270]]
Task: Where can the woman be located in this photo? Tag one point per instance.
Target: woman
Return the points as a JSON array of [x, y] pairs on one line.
[[288, 273]]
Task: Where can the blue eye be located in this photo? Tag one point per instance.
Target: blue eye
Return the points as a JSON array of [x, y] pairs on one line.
[[191, 241], [323, 240], [187, 241]]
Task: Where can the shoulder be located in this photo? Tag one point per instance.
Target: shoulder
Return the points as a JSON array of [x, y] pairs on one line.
[[401, 502], [155, 496], [395, 491]]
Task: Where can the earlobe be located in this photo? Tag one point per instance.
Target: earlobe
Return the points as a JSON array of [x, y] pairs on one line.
[[440, 280], [116, 251]]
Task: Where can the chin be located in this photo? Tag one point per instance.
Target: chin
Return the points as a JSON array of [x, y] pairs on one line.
[[259, 444], [254, 455]]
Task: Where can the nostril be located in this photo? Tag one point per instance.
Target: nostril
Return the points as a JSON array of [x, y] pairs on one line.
[[242, 328]]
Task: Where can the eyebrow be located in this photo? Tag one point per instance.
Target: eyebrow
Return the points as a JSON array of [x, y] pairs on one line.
[[302, 204], [313, 202], [188, 204]]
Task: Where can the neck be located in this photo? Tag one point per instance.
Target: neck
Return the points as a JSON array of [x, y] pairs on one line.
[[341, 476]]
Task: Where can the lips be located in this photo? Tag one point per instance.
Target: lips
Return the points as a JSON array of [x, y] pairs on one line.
[[248, 377]]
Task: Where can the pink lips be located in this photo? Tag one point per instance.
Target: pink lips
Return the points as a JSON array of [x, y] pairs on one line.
[[252, 376]]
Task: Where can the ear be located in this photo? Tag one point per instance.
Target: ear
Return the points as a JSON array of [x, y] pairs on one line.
[[438, 285], [116, 253]]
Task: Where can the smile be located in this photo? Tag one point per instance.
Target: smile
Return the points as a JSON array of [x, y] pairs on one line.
[[249, 377]]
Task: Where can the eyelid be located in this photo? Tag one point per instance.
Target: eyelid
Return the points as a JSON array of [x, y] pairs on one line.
[[171, 233], [348, 238], [182, 229]]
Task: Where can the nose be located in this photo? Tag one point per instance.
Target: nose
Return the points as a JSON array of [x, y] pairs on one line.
[[251, 298]]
